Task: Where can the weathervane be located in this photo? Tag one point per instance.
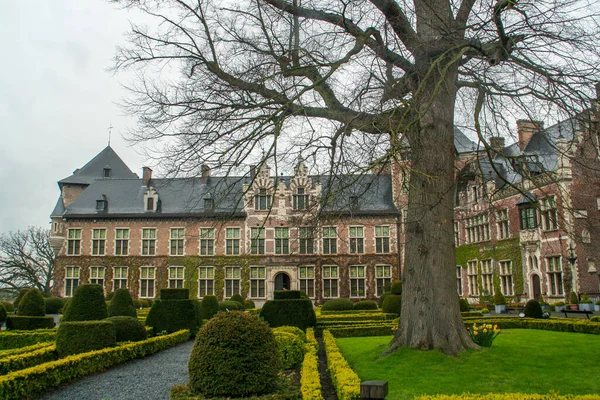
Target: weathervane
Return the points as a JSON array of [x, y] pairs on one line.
[[110, 127]]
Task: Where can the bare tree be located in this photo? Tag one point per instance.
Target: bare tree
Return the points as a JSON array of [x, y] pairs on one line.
[[27, 260], [354, 83]]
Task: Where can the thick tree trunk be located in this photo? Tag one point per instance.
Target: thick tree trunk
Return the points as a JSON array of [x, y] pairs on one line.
[[430, 312]]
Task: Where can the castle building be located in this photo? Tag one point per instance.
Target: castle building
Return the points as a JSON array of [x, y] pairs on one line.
[[527, 222]]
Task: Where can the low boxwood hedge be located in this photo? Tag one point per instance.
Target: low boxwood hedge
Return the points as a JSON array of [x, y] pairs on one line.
[[559, 325], [344, 379], [293, 330], [356, 331], [19, 322], [84, 336], [34, 381], [358, 317], [341, 312], [26, 349], [310, 381], [25, 360], [17, 339], [510, 396], [290, 350]]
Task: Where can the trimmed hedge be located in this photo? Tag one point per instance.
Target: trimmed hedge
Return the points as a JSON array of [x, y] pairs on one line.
[[238, 297], [26, 349], [87, 304], [173, 315], [229, 305], [510, 396], [337, 305], [345, 380], [20, 322], [392, 304], [558, 325], [359, 331], [32, 304], [54, 305], [533, 309], [291, 312], [287, 295], [293, 330], [122, 304], [209, 307], [175, 294], [342, 312], [17, 362], [18, 339], [35, 381], [8, 305], [84, 336], [396, 287], [310, 381], [17, 301], [3, 314], [290, 350], [358, 317], [365, 305], [249, 304], [128, 329]]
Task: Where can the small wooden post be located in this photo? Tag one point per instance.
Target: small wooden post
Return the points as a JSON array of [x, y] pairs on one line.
[[373, 390]]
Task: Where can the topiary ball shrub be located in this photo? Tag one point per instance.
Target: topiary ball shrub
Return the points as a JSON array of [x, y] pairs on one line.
[[382, 299], [3, 314], [365, 305], [22, 292], [533, 309], [87, 304], [209, 307], [83, 336], [290, 350], [294, 330], [173, 315], [122, 304], [32, 304], [392, 304], [128, 329], [234, 355], [54, 305], [248, 304], [229, 305], [337, 305], [464, 305], [396, 287], [292, 312], [237, 297]]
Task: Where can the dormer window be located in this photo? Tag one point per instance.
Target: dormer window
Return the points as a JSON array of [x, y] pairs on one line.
[[101, 204], [151, 201], [262, 201], [300, 199], [354, 203], [527, 205], [106, 172], [209, 204], [150, 204]]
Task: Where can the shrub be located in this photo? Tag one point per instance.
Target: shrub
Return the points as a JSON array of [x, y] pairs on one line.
[[17, 301], [396, 287], [128, 329], [344, 379], [3, 314], [392, 304], [484, 310], [533, 309], [290, 350], [310, 382], [287, 294], [175, 294], [172, 316], [499, 298], [209, 307], [292, 312], [365, 305], [139, 303], [26, 323], [83, 336], [595, 318], [234, 355], [122, 304], [8, 306], [16, 339], [382, 299], [54, 305], [237, 297], [337, 305], [464, 305], [32, 358], [32, 304], [586, 300], [248, 304], [110, 296], [87, 304], [294, 330], [573, 298], [229, 305]]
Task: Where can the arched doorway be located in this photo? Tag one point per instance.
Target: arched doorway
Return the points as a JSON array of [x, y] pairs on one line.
[[536, 287], [282, 281]]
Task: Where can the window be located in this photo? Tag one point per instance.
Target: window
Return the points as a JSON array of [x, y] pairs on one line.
[[307, 280], [257, 282], [357, 281], [97, 275], [330, 281], [383, 276], [472, 277], [121, 242], [207, 241], [232, 281], [106, 172], [330, 240], [475, 191], [74, 242], [209, 205], [487, 277], [382, 239], [71, 280], [119, 278], [232, 241], [282, 241], [549, 214], [206, 281], [98, 242], [456, 233], [353, 203], [478, 228], [300, 199], [502, 224], [177, 241], [149, 243], [176, 277], [305, 235], [262, 201], [147, 277], [459, 280], [506, 279], [555, 278], [528, 217], [357, 240], [257, 240], [150, 204]]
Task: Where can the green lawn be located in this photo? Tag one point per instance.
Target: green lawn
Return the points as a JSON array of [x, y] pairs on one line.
[[520, 360]]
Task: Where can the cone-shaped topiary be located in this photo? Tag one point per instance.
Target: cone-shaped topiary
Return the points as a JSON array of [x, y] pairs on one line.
[[237, 297], [209, 307], [122, 304], [533, 309], [87, 304], [573, 298], [32, 304], [499, 298], [235, 355], [396, 287], [22, 292], [3, 314], [128, 329]]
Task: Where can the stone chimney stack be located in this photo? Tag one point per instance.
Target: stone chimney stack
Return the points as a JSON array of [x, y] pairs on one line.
[[497, 144], [526, 129], [146, 175], [205, 173]]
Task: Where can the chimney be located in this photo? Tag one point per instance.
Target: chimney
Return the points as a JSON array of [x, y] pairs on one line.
[[526, 129], [252, 172], [497, 144], [205, 173], [146, 175]]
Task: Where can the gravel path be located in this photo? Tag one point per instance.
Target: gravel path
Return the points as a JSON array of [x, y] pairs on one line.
[[147, 378]]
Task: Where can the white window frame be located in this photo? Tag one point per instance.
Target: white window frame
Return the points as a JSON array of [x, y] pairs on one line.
[[122, 240], [472, 274], [380, 239], [506, 277], [98, 243], [233, 239], [306, 277], [74, 250], [118, 277], [150, 278], [206, 275], [282, 240], [358, 278], [258, 282], [178, 240], [356, 234], [207, 241], [327, 275], [383, 276], [72, 276], [176, 277], [232, 274], [97, 275], [331, 237], [149, 240]]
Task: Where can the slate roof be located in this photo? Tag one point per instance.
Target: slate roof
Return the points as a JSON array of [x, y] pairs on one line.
[[94, 169]]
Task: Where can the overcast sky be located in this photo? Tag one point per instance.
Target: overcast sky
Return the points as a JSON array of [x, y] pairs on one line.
[[56, 100]]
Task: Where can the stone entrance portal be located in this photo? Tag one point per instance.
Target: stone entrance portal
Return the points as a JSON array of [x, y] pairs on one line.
[[282, 281]]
